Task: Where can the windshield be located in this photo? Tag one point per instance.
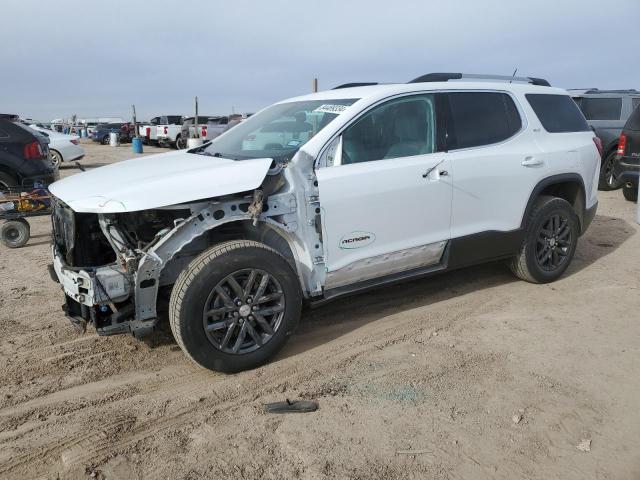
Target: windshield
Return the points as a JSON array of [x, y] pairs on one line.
[[278, 131]]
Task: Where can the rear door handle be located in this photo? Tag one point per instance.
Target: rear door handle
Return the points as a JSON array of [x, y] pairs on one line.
[[532, 162]]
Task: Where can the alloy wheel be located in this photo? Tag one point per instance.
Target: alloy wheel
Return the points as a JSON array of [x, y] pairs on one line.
[[553, 243], [243, 311]]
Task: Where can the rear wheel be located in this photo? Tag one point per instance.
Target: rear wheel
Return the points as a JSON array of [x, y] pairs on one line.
[[235, 306], [56, 158], [551, 236], [181, 143], [608, 179], [630, 193], [15, 233]]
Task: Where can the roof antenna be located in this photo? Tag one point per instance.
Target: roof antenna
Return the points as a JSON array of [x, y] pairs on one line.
[[513, 75]]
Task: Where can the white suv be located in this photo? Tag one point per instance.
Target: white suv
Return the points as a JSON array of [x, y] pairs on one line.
[[347, 189]]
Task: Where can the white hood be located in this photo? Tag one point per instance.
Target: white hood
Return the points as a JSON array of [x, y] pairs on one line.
[[158, 181]]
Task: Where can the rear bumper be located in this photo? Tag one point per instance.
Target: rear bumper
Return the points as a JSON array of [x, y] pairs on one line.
[[627, 170]]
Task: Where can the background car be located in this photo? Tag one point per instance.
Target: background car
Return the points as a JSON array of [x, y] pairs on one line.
[[188, 129], [62, 148], [627, 168], [606, 112], [101, 133], [24, 156]]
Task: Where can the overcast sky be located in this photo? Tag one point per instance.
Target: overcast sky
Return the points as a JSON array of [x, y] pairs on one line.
[[97, 58]]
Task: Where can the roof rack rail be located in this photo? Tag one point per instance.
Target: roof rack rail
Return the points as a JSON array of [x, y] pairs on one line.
[[597, 90], [445, 77], [355, 84]]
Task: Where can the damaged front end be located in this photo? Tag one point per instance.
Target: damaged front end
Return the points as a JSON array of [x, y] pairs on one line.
[[111, 266]]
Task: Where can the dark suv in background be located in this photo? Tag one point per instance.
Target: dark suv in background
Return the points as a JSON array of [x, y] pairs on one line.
[[24, 156], [606, 112], [627, 167]]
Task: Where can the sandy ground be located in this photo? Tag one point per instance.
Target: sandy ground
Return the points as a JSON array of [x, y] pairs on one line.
[[467, 375]]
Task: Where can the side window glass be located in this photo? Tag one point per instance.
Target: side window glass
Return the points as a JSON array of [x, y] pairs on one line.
[[481, 118], [399, 128], [602, 108], [634, 103]]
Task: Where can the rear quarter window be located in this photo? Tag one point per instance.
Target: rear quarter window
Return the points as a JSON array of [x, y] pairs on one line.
[[634, 120], [601, 108], [557, 113], [481, 118]]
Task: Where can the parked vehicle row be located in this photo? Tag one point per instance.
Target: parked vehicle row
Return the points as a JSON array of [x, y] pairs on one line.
[[606, 112], [322, 196], [102, 132], [627, 167]]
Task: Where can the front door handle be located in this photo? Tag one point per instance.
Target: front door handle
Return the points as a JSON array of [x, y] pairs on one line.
[[532, 162]]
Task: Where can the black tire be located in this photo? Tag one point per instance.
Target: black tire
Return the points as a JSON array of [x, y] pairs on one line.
[[14, 233], [7, 181], [190, 306], [56, 158], [181, 143], [539, 251], [105, 140], [630, 193], [608, 180]]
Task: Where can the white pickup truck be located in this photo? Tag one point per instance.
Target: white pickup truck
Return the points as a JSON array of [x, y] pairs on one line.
[[168, 130], [148, 132]]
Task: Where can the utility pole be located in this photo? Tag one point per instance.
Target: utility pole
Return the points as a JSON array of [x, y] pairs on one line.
[[314, 85], [135, 122], [195, 122]]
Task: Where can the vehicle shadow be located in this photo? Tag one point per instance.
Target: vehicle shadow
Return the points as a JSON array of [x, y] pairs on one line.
[[604, 236], [340, 317]]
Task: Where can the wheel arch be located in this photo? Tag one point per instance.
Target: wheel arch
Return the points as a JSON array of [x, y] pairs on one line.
[[240, 229], [568, 186]]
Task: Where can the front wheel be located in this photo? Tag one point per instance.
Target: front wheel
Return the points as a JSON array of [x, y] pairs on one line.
[[235, 305], [630, 193], [551, 236], [608, 179], [105, 140]]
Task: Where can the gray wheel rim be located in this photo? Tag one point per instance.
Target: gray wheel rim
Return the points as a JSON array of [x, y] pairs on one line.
[[55, 159], [243, 311], [553, 242]]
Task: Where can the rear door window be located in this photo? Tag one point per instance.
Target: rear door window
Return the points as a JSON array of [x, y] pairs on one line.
[[601, 108], [481, 118], [557, 113], [634, 103]]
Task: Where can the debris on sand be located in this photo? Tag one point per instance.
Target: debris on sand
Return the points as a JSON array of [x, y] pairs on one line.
[[517, 418], [584, 445]]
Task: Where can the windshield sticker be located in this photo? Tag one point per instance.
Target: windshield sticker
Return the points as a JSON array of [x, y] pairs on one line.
[[335, 109]]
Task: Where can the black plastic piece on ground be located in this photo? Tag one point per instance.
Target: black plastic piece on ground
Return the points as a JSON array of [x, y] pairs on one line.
[[288, 406]]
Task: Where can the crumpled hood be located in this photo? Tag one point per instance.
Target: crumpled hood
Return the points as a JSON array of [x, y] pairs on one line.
[[158, 181]]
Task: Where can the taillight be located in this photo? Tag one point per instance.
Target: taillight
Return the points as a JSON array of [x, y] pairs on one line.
[[75, 142], [598, 143], [33, 151], [166, 130], [622, 145], [204, 131]]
